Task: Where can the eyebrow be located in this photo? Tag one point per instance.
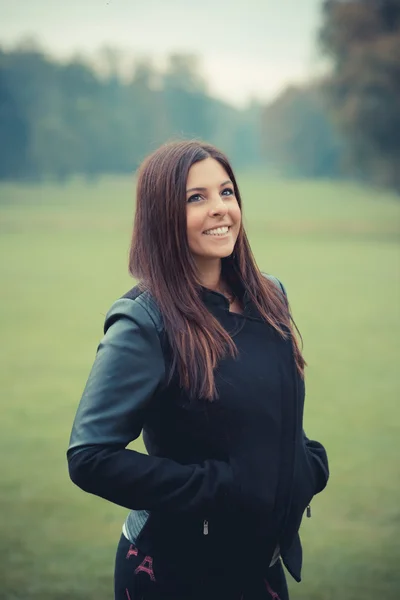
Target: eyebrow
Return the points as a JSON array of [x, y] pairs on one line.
[[203, 189]]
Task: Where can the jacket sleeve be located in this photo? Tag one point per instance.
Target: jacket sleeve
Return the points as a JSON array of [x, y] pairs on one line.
[[127, 372], [320, 461]]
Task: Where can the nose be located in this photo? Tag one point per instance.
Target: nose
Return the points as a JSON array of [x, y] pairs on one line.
[[218, 207]]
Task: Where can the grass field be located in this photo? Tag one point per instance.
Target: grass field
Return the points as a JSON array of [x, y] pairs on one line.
[[64, 261]]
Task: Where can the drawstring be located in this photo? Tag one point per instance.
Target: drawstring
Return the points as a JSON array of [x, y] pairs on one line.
[[273, 594]]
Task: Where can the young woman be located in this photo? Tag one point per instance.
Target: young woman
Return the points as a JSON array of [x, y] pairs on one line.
[[201, 356]]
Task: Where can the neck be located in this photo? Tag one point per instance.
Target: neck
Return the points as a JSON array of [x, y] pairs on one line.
[[209, 273]]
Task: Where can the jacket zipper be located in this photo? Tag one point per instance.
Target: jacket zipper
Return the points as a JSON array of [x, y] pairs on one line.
[[205, 527], [309, 511]]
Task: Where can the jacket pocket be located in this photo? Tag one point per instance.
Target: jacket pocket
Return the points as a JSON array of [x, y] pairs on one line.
[[182, 546]]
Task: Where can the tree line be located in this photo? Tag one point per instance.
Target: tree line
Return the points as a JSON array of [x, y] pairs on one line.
[[346, 124], [59, 119], [362, 40]]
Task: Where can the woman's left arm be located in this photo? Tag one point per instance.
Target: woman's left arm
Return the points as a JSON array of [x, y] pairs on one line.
[[316, 450], [320, 460]]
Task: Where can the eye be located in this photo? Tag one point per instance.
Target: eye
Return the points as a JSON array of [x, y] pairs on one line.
[[230, 191], [195, 198]]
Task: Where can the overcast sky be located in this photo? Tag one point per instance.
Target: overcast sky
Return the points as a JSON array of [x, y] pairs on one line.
[[247, 47]]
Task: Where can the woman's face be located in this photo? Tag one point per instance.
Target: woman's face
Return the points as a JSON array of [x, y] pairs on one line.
[[213, 213]]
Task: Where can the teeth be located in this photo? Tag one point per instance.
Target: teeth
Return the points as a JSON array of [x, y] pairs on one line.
[[217, 231]]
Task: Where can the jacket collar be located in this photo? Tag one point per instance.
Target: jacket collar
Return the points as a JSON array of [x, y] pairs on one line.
[[211, 299]]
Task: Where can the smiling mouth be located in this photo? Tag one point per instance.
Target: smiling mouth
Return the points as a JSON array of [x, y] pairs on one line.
[[217, 231]]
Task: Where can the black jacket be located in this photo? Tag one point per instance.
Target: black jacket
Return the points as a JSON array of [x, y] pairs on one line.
[[242, 462]]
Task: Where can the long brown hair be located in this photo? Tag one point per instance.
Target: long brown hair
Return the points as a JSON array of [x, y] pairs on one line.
[[161, 260]]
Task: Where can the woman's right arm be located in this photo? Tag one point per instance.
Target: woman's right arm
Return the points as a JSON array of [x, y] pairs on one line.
[[128, 369]]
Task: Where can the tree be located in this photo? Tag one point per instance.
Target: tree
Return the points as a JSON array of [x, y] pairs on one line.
[[298, 136], [362, 39], [14, 128], [185, 98]]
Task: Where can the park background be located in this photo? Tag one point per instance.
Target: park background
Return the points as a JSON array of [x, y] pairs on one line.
[[304, 97]]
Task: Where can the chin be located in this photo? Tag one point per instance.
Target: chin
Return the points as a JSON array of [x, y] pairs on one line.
[[207, 253], [220, 254]]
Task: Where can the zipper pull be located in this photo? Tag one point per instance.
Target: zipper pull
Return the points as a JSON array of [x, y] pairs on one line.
[[205, 527], [309, 511]]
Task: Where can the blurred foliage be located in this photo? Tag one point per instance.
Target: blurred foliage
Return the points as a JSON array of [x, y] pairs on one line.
[[362, 37], [299, 138], [59, 119]]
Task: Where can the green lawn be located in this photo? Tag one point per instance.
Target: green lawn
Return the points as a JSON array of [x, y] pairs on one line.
[[64, 261]]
